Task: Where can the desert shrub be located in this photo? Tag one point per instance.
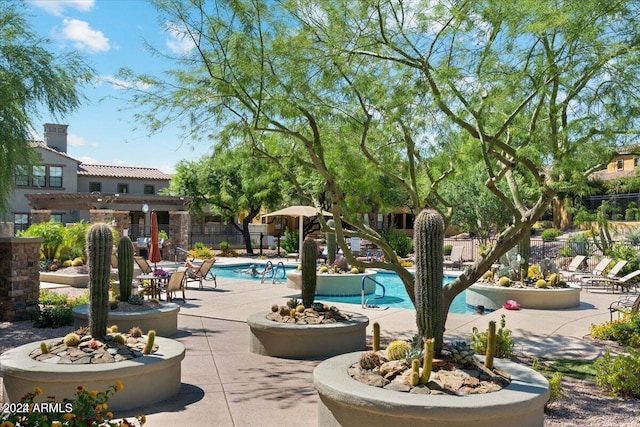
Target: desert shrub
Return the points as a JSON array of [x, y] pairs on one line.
[[290, 242], [447, 249], [555, 382], [633, 237], [399, 242], [52, 234], [625, 331], [75, 241], [54, 310], [624, 251], [504, 342], [550, 234], [620, 375], [200, 251]]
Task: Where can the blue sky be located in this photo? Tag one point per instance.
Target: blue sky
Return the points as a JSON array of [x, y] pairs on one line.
[[111, 34]]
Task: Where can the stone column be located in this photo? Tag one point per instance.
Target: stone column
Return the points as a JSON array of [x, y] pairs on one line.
[[19, 277], [101, 215], [6, 229], [123, 222], [40, 215], [179, 228]]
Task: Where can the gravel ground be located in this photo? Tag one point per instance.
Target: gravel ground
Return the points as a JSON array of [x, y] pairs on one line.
[[585, 405]]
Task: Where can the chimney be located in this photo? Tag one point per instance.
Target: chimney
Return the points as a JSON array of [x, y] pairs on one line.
[[55, 136]]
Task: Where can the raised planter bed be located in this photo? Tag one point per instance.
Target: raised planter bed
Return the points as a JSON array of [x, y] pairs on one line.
[[328, 284], [347, 402], [494, 297], [147, 380], [291, 341], [163, 320]]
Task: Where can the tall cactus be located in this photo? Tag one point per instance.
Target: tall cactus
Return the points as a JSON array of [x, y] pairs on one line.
[[331, 243], [309, 274], [99, 248], [125, 267], [429, 297], [524, 249]]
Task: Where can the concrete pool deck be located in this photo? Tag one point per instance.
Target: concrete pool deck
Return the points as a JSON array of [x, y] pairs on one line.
[[224, 385]]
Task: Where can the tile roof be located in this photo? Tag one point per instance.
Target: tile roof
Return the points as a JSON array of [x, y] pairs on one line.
[[122, 172], [605, 175]]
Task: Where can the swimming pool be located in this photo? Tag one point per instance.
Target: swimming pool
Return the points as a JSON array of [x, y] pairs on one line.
[[395, 295]]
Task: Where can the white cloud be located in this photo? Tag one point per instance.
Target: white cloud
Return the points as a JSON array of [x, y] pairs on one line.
[[56, 7], [78, 141], [121, 84], [179, 42], [83, 36], [87, 160]]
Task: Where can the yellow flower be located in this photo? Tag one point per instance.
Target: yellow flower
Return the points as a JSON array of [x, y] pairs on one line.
[[6, 424], [68, 416], [108, 414], [119, 385], [38, 391], [94, 393], [56, 424], [142, 418]]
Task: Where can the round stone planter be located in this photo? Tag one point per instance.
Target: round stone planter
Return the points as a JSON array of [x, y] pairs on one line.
[[494, 297], [347, 402], [163, 320], [342, 285], [291, 341], [148, 379]]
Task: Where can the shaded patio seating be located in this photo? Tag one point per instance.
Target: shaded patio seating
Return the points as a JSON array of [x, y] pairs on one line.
[[143, 264], [455, 259], [624, 304], [202, 274], [604, 279]]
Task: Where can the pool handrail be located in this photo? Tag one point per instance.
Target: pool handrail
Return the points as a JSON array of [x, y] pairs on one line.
[[275, 272], [265, 271], [365, 304]]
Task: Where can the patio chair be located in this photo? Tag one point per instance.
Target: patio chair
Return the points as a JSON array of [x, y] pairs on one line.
[[604, 279], [143, 264], [576, 264], [455, 259], [624, 304], [175, 283], [625, 281], [202, 274], [597, 271]]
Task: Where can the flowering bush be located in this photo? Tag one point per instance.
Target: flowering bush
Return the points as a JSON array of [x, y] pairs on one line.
[[89, 408]]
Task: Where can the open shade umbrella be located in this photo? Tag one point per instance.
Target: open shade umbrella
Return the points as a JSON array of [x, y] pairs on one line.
[[154, 249], [301, 212]]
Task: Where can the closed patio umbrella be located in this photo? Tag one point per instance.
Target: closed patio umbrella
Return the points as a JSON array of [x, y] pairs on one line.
[[154, 250]]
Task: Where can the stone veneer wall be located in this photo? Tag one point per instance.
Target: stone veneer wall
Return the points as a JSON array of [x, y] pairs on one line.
[[40, 215], [123, 222], [101, 215], [179, 226], [19, 277]]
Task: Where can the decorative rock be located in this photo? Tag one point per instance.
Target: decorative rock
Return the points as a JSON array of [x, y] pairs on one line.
[[398, 387]]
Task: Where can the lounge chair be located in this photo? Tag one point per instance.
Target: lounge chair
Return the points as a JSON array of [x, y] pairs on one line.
[[625, 281], [202, 274], [575, 266], [143, 264], [175, 283], [604, 279], [597, 271], [624, 304], [455, 259]]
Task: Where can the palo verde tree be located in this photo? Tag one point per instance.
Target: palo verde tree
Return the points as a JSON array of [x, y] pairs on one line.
[[33, 79], [228, 183], [544, 89]]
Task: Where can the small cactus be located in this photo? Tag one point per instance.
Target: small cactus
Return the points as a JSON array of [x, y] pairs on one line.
[[397, 350], [414, 379], [504, 281], [300, 308], [44, 349], [275, 308], [119, 338], [151, 337], [135, 332], [376, 337], [370, 360], [541, 283], [72, 339], [462, 353], [491, 345], [427, 363], [136, 299]]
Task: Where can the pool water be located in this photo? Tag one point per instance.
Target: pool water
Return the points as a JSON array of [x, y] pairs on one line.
[[395, 295]]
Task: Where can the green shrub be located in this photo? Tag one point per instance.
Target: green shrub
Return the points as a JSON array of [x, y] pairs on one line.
[[224, 246], [555, 382], [447, 249], [504, 342], [624, 251], [52, 234], [54, 310], [619, 376], [399, 242], [565, 251], [550, 234], [290, 242], [625, 331]]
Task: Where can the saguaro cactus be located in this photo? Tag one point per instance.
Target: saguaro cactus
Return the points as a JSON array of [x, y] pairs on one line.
[[331, 243], [309, 274], [99, 248], [125, 267], [429, 298]]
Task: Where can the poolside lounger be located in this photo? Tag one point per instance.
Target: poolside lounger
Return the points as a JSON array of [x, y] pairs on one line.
[[611, 275], [624, 281], [597, 271], [455, 259], [576, 264], [202, 274]]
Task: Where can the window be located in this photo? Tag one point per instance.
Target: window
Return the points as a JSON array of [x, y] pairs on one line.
[[636, 162], [38, 176], [149, 189], [56, 218], [55, 176], [22, 176], [123, 188], [620, 165], [20, 221], [95, 186]]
